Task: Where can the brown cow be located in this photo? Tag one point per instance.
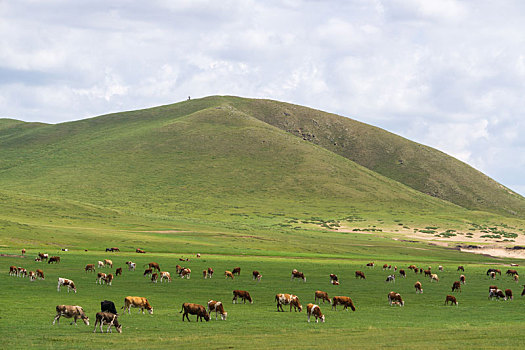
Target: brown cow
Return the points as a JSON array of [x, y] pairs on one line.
[[138, 302], [154, 277], [71, 311], [402, 273], [141, 251], [108, 279], [385, 266], [107, 263], [22, 272], [90, 267], [244, 295], [13, 270], [312, 309], [320, 295], [54, 259], [297, 274], [512, 272], [236, 271], [360, 274], [342, 300], [456, 286], [148, 272], [178, 268], [153, 266], [516, 278], [23, 251], [255, 275], [40, 273], [210, 272], [370, 264], [194, 309], [508, 294], [412, 267], [118, 271], [288, 299], [419, 287], [395, 299], [228, 274], [108, 318], [218, 307], [427, 272], [31, 275], [452, 300], [185, 273]]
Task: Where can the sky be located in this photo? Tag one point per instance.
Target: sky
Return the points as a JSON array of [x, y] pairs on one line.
[[448, 74]]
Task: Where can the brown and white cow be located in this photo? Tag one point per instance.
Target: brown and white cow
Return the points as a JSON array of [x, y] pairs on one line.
[[419, 287], [108, 279], [334, 279], [385, 266], [108, 262], [154, 277], [22, 272], [23, 251], [153, 266], [312, 309], [320, 295], [194, 309], [451, 299], [71, 311], [434, 277], [360, 274], [228, 274], [165, 275], [13, 270], [138, 302], [100, 264], [90, 268], [100, 277], [236, 271], [342, 300], [255, 275], [516, 278], [298, 274], [185, 273], [508, 294], [108, 318], [54, 259], [40, 274], [210, 272], [492, 275], [456, 286], [288, 299], [402, 273], [218, 307], [178, 268], [440, 268], [412, 267], [43, 256], [370, 264], [496, 293], [31, 275], [244, 295], [395, 299], [462, 279], [66, 282]]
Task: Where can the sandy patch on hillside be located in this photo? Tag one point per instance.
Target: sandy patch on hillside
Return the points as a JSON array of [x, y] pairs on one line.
[[497, 252]]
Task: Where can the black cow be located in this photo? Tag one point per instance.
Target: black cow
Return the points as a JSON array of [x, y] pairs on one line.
[[108, 306]]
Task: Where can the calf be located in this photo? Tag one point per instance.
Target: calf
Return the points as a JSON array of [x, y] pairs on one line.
[[90, 268], [71, 311], [236, 271], [288, 299], [320, 295], [360, 274], [66, 282], [312, 309], [342, 300], [462, 279], [40, 274], [391, 278], [395, 299], [108, 318], [419, 287], [138, 302], [244, 295], [108, 306], [54, 259], [185, 273], [165, 275], [148, 272], [297, 274], [452, 300], [456, 286], [508, 294], [118, 271], [218, 307], [228, 274], [194, 309]]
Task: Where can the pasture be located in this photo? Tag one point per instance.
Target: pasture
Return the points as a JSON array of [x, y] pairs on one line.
[[424, 321]]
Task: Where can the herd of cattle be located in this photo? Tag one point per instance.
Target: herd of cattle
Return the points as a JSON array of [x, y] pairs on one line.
[[109, 316]]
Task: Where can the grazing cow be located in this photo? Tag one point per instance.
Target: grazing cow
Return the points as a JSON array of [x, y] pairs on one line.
[[40, 274], [523, 291], [179, 269], [258, 277], [333, 278], [153, 266], [493, 270], [185, 273], [403, 273], [370, 264], [138, 302], [131, 265], [228, 274], [244, 295], [118, 271], [236, 271], [108, 279], [154, 277], [13, 270], [204, 274], [342, 300], [456, 286], [493, 275], [90, 268], [108, 318], [148, 272], [512, 272], [218, 307], [21, 272], [198, 255], [360, 274], [434, 277], [312, 309], [100, 277], [461, 268], [297, 274], [419, 287], [420, 271], [462, 279], [71, 311], [395, 299], [165, 275], [113, 249], [38, 259], [385, 266], [210, 272], [452, 300], [100, 264], [416, 270], [427, 273], [31, 275], [141, 251], [66, 282], [255, 274], [391, 278], [288, 299], [43, 256], [496, 293], [108, 306], [108, 262], [412, 267], [320, 295], [440, 268], [508, 294], [516, 278], [54, 259], [23, 251], [194, 309]]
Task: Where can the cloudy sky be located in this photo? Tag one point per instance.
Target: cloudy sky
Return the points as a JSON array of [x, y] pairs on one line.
[[449, 74]]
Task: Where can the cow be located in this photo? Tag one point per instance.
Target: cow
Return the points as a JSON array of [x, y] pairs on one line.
[[440, 268], [43, 256], [113, 249], [514, 265], [23, 251], [54, 259], [288, 299], [511, 272], [297, 274], [461, 268], [395, 299], [523, 291], [456, 286], [419, 287], [210, 272], [496, 293], [155, 277], [204, 274], [255, 274], [493, 270], [185, 273], [228, 274], [516, 278], [402, 273], [218, 307], [140, 251], [165, 275], [342, 300], [391, 278], [370, 264], [179, 269], [100, 277], [66, 282], [427, 273], [21, 272], [108, 318], [13, 270], [360, 274], [420, 271], [236, 271], [71, 311], [320, 295], [108, 306], [31, 275], [89, 268], [194, 309], [312, 309], [412, 267], [38, 259], [198, 255], [131, 265], [153, 266], [462, 279], [148, 272], [434, 277], [452, 300], [138, 302], [244, 295], [108, 279], [100, 264], [40, 274], [118, 271], [334, 278], [508, 294], [107, 263], [385, 266], [492, 275]]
